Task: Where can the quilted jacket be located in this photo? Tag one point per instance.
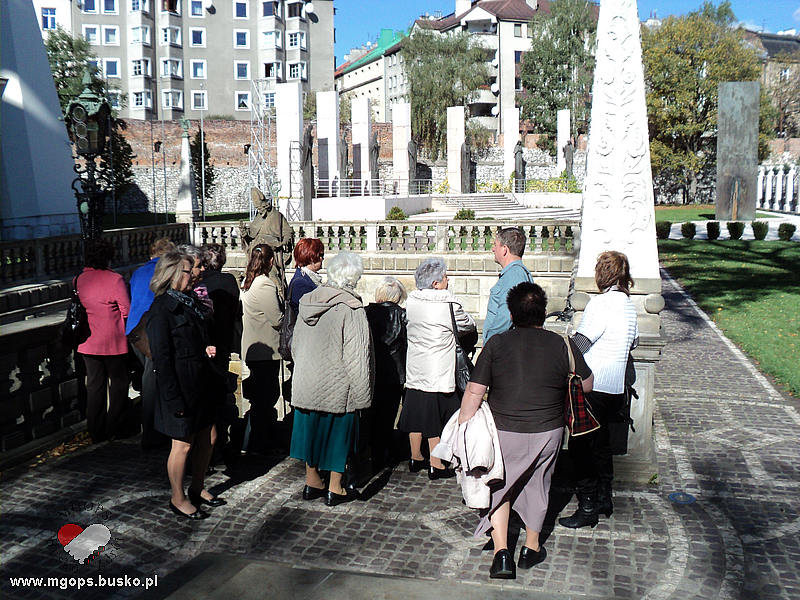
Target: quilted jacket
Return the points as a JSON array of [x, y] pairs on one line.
[[334, 368]]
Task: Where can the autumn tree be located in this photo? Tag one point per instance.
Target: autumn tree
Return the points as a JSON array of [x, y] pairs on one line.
[[558, 69], [442, 70], [200, 160], [784, 91]]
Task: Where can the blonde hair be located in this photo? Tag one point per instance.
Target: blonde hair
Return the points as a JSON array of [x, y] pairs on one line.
[[390, 290], [168, 273]]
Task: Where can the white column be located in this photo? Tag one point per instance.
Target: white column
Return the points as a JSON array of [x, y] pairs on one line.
[[328, 142], [769, 196], [562, 136], [401, 136], [186, 207], [362, 136], [455, 138], [791, 186], [510, 138], [760, 188], [779, 188], [289, 125]]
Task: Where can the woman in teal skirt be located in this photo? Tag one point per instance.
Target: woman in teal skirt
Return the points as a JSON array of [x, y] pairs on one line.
[[333, 377]]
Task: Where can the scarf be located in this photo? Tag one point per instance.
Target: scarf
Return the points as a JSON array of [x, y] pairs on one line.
[[314, 277], [187, 301]]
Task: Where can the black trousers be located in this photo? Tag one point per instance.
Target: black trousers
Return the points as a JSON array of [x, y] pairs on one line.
[[380, 419], [262, 390], [107, 401], [149, 397], [591, 453]]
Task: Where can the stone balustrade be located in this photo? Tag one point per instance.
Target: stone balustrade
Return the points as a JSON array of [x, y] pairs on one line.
[[777, 188]]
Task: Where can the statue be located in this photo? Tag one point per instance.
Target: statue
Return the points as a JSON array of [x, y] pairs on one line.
[[269, 227], [374, 149], [412, 161], [519, 168], [343, 157], [307, 167], [569, 154], [466, 168]]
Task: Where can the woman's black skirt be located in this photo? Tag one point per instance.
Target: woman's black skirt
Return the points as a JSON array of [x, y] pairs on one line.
[[427, 412]]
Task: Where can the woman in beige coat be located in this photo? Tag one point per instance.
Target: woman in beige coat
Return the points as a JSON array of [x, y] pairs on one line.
[[261, 325]]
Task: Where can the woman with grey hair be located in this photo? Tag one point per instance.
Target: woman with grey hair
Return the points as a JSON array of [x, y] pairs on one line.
[[387, 322], [199, 289], [333, 377], [431, 397]]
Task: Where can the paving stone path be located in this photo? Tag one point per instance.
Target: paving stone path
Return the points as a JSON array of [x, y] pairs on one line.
[[724, 435]]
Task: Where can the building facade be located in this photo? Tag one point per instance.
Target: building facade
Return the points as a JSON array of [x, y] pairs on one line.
[[178, 58]]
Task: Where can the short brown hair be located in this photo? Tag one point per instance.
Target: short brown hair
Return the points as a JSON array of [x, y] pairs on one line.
[[514, 239], [308, 251], [161, 246], [612, 268]]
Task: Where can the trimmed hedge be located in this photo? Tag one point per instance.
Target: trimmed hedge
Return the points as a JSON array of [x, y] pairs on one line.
[[465, 214], [662, 229], [688, 230], [735, 229], [786, 231], [712, 230], [760, 229]]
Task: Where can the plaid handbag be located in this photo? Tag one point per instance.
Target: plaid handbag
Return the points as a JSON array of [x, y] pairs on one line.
[[577, 413]]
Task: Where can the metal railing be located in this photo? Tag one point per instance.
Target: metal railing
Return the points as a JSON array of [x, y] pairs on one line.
[[346, 188]]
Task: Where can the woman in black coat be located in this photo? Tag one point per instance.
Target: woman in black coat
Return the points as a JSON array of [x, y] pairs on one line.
[[185, 409]]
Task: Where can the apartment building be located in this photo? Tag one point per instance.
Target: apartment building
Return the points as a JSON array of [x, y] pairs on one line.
[[179, 58]]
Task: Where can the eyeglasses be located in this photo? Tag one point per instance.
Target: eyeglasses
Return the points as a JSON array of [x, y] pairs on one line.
[[189, 272]]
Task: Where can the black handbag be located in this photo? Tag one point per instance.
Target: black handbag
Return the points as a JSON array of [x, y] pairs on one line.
[[75, 329], [287, 326], [463, 363]]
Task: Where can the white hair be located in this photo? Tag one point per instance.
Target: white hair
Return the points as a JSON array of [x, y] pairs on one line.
[[429, 271], [344, 269], [390, 290]]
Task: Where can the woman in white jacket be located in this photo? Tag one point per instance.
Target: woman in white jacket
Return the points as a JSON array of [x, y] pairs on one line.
[[431, 397]]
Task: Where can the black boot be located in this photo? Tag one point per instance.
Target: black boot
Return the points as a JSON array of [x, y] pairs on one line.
[[585, 515], [604, 502]]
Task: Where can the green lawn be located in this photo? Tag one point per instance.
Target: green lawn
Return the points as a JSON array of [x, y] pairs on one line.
[[140, 219], [751, 290], [692, 212]]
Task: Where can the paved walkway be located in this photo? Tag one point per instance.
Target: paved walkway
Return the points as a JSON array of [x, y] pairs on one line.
[[724, 435]]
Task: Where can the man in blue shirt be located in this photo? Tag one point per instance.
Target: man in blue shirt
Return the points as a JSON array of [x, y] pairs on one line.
[[508, 248]]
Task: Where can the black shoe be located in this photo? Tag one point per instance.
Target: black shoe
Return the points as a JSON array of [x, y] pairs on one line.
[[604, 503], [530, 558], [332, 499], [415, 466], [434, 473], [195, 516], [585, 515], [503, 566], [312, 493], [196, 499]]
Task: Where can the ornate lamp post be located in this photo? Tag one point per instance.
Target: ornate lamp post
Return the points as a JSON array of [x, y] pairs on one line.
[[87, 119]]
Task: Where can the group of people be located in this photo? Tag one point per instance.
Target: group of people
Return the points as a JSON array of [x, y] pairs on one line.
[[360, 371]]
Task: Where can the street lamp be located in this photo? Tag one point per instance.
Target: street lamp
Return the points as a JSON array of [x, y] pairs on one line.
[[87, 120]]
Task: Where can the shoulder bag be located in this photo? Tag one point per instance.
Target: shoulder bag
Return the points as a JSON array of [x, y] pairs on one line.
[[577, 413], [463, 363], [75, 329], [138, 336], [287, 326]]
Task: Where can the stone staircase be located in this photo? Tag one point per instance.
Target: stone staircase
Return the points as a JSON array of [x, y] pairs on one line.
[[494, 206]]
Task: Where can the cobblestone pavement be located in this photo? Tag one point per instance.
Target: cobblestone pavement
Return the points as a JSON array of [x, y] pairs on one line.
[[724, 435]]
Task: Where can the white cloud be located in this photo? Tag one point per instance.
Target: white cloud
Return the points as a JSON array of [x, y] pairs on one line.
[[796, 15]]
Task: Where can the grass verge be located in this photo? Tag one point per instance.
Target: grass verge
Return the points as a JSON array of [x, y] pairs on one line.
[[751, 289], [692, 212]]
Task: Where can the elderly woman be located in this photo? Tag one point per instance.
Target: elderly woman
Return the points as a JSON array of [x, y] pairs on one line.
[[525, 370], [606, 334], [431, 397], [308, 256], [387, 322], [333, 377], [185, 409]]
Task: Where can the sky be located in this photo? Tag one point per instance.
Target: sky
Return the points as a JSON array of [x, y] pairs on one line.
[[359, 21]]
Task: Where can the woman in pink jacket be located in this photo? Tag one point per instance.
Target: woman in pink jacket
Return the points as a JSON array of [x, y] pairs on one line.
[[105, 296]]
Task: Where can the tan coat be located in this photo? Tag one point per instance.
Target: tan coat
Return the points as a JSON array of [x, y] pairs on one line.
[[261, 321]]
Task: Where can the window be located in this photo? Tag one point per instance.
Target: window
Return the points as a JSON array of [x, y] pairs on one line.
[[241, 38], [517, 84], [171, 35], [241, 69], [273, 70], [171, 67], [296, 10], [110, 35], [114, 99], [197, 37], [517, 29], [142, 99], [517, 56], [90, 6], [172, 99], [240, 9], [140, 35], [199, 99], [785, 73], [196, 8], [198, 69], [242, 100], [169, 6], [270, 9], [297, 70], [269, 100], [48, 18], [297, 39], [111, 67], [140, 67], [90, 33], [139, 5], [94, 64], [271, 39], [110, 7]]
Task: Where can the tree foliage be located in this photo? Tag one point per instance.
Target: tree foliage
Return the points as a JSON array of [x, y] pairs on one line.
[[443, 70], [557, 71], [784, 91], [685, 59], [69, 58], [115, 168], [197, 159]]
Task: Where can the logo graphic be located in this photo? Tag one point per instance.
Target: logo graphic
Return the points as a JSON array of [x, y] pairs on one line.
[[84, 544]]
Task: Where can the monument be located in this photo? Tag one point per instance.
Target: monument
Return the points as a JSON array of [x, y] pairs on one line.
[[186, 206], [362, 136], [401, 147], [289, 131], [568, 154], [510, 139], [737, 151], [456, 136], [328, 143], [519, 168], [307, 170], [563, 136]]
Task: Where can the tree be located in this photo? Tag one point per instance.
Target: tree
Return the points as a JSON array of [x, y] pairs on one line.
[[197, 159], [784, 91], [685, 59], [69, 57], [115, 169], [443, 70], [558, 69]]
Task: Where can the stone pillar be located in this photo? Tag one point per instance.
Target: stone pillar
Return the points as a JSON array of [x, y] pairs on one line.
[[289, 135], [186, 207], [791, 184], [510, 138], [328, 143], [618, 211], [760, 188], [769, 197], [563, 130], [778, 189], [362, 136], [401, 136], [456, 134]]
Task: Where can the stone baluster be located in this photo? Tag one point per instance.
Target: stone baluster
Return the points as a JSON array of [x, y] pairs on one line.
[[760, 188], [371, 237], [768, 192], [442, 237], [791, 189], [779, 188]]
